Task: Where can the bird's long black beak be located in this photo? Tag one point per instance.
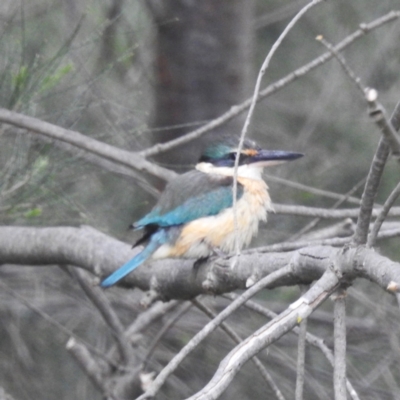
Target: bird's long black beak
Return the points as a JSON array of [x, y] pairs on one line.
[[268, 158]]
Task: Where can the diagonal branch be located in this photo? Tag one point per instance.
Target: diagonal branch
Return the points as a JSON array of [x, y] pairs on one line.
[[311, 339], [234, 111], [268, 334], [100, 301], [390, 141], [209, 328], [252, 107], [237, 339], [382, 215], [372, 184], [121, 157]]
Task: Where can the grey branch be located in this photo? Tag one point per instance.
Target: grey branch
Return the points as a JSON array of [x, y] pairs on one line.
[[339, 374], [100, 254], [209, 328], [100, 301], [275, 87], [266, 335], [372, 184], [237, 339], [382, 215], [326, 213], [118, 156], [87, 363]]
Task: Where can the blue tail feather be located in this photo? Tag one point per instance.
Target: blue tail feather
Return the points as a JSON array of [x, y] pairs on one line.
[[157, 240]]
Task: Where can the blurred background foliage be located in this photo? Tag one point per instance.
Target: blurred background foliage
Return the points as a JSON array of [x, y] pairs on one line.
[[98, 67]]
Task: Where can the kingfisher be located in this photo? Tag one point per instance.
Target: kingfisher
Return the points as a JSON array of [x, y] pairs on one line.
[[194, 216]]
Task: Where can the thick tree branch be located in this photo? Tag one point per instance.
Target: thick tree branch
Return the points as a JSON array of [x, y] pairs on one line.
[[175, 279]]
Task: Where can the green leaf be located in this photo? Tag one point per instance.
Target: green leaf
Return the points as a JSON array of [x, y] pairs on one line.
[[20, 79], [33, 213], [52, 80]]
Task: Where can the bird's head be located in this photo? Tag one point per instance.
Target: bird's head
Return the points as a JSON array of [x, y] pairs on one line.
[[219, 158]]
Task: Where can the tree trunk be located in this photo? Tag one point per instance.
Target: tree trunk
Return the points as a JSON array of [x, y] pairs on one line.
[[202, 65]]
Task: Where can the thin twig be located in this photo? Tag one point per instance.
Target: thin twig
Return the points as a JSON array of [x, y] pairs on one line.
[[87, 363], [209, 328], [376, 110], [56, 324], [336, 242], [122, 157], [100, 301], [166, 327], [237, 339], [340, 201], [318, 192], [238, 109], [343, 213], [147, 317], [382, 215], [253, 103], [388, 141]]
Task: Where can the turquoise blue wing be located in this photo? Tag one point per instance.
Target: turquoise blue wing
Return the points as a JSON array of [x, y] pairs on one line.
[[191, 196]]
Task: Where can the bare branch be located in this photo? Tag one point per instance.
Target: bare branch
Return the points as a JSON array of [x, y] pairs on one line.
[[390, 140], [122, 157], [310, 338], [146, 318], [370, 190], [89, 249], [266, 335], [336, 242], [253, 103], [100, 301], [237, 339], [236, 110], [382, 215], [340, 201], [326, 213], [378, 115], [339, 374], [207, 329], [376, 110], [55, 323], [4, 395], [87, 363], [318, 192], [185, 307]]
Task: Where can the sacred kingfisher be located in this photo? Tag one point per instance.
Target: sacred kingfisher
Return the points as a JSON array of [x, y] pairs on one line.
[[194, 216]]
